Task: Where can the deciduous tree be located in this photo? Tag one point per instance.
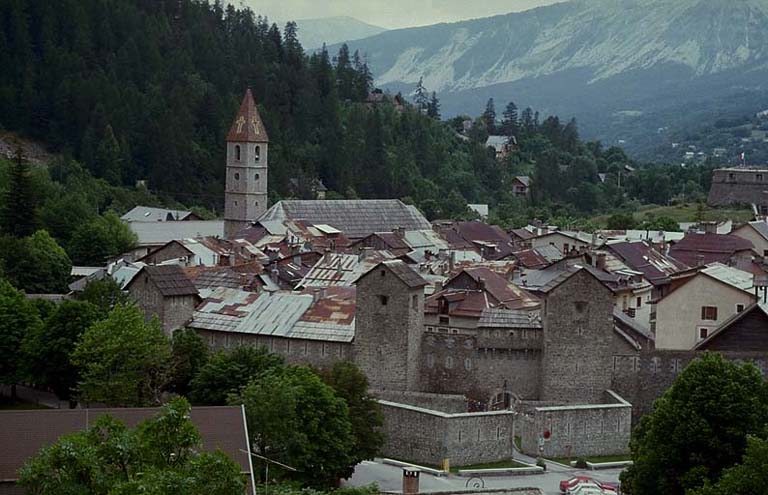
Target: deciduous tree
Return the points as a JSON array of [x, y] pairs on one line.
[[161, 456], [123, 360], [698, 427]]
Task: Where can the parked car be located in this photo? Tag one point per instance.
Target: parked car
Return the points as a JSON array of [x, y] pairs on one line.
[[567, 486]]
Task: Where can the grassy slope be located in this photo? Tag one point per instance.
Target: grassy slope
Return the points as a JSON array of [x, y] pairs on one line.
[[686, 213]]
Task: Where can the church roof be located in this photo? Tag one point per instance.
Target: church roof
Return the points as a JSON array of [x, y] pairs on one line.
[[356, 218], [247, 126]]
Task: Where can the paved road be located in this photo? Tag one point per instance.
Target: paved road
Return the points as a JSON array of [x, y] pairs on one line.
[[389, 478]]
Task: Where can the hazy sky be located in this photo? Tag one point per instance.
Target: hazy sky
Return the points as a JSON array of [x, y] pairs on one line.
[[391, 13]]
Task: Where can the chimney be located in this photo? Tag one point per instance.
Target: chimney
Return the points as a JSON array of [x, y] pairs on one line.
[[481, 283], [451, 261], [399, 232], [601, 261], [411, 481], [316, 295], [275, 275], [709, 227], [595, 239], [327, 256], [438, 286], [323, 292], [699, 260]]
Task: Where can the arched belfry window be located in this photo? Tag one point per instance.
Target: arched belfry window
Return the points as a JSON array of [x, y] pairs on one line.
[[237, 152], [257, 153]]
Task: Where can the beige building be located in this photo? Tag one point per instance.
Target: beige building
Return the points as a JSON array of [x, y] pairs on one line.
[[757, 234], [695, 309]]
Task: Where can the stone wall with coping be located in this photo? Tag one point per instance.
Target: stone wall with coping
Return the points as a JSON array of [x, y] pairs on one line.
[[577, 430], [445, 403], [426, 436]]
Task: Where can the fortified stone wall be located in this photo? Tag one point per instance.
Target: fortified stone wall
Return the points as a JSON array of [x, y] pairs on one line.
[[578, 430], [456, 363], [437, 402], [738, 186], [426, 436], [642, 378], [295, 351]]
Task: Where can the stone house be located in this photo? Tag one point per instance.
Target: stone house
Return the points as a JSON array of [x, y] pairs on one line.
[[699, 304], [165, 292], [205, 251], [655, 267]]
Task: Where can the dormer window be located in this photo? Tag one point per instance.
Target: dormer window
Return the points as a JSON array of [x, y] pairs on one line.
[[237, 152]]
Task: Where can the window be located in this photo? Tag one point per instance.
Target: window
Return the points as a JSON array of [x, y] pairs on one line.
[[739, 308], [383, 300], [759, 177], [732, 177], [703, 332], [639, 302], [449, 362], [383, 273], [256, 204], [237, 152], [709, 313], [256, 153], [444, 320], [565, 248], [256, 177], [415, 302]]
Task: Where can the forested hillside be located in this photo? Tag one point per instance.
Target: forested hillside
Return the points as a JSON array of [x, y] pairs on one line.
[[146, 90]]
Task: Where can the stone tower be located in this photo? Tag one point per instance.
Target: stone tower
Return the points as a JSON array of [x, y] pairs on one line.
[[245, 196], [389, 323], [577, 360]]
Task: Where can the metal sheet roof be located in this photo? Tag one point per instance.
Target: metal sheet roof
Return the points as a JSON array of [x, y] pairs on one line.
[[159, 233], [356, 218], [149, 214], [509, 318], [734, 277]]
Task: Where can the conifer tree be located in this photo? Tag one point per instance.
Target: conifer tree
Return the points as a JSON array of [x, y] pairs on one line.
[[489, 116], [433, 109], [19, 215], [421, 96], [509, 124]]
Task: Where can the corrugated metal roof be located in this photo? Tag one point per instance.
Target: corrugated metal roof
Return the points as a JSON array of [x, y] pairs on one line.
[[339, 269], [356, 218], [327, 317], [160, 233], [736, 278], [149, 214]]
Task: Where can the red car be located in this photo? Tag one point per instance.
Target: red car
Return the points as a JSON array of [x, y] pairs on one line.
[[568, 484]]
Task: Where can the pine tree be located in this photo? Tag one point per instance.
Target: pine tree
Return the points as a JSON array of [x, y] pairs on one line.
[[109, 158], [421, 96], [19, 215], [509, 125], [489, 117], [433, 109]]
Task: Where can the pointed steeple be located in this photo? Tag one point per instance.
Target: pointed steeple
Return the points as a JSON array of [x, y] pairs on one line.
[[248, 126]]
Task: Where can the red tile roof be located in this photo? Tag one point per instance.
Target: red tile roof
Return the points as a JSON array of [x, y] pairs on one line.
[[247, 126], [696, 249]]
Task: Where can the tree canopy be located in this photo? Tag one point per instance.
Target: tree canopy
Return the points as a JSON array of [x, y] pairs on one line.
[[698, 427], [294, 418], [226, 372], [123, 360], [160, 456]]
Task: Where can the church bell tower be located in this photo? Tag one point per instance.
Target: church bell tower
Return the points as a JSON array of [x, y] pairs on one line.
[[245, 197]]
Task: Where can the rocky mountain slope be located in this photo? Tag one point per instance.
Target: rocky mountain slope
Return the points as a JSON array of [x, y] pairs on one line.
[[314, 32], [624, 59]]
